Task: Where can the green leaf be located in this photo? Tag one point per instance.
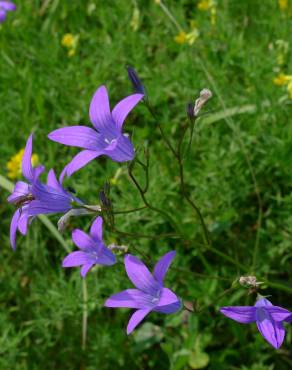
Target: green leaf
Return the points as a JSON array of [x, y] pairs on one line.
[[198, 360]]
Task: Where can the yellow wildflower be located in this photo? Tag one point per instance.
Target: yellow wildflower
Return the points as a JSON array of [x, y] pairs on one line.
[[282, 79], [205, 5], [283, 4], [181, 38], [135, 19], [70, 42], [14, 165], [157, 1]]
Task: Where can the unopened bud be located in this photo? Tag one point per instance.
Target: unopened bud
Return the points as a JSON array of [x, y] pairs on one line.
[[205, 95], [249, 281]]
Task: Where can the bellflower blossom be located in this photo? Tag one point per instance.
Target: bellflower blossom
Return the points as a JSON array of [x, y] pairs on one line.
[[268, 318], [93, 251], [150, 293], [106, 138], [22, 194], [52, 197], [6, 6]]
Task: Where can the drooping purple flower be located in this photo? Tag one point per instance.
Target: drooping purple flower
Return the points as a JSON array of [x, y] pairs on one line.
[[22, 194], [93, 251], [6, 6], [150, 293], [268, 318], [107, 137], [52, 197]]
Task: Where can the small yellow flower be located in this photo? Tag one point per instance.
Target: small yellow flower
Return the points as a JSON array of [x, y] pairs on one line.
[[135, 19], [181, 38], [70, 42], [14, 165], [282, 79], [283, 4], [157, 1], [205, 5]]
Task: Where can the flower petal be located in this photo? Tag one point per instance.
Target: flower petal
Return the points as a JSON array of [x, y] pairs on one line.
[[105, 257], [136, 318], [130, 298], [7, 5], [79, 136], [162, 266], [140, 276], [168, 302], [76, 259], [272, 331], [26, 160], [13, 228], [278, 313], [167, 297], [20, 190], [85, 268], [99, 109], [83, 241], [263, 302], [2, 15], [37, 207], [80, 160], [121, 150], [96, 228], [242, 314], [170, 308], [23, 221], [124, 107], [53, 182]]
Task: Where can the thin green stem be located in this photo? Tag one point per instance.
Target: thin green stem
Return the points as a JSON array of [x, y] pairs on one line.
[[170, 16], [234, 128], [147, 204], [130, 210], [183, 188], [84, 314]]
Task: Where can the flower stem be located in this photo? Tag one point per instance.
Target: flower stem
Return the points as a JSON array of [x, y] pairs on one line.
[[84, 314]]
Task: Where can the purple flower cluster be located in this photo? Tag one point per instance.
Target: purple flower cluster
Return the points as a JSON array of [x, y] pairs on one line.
[[34, 198], [107, 138]]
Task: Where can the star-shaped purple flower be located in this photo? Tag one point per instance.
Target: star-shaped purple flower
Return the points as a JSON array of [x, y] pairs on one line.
[[22, 194], [107, 137], [93, 251], [6, 6], [52, 197], [268, 318], [150, 293]]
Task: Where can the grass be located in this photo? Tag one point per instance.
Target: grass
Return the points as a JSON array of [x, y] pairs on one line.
[[240, 152]]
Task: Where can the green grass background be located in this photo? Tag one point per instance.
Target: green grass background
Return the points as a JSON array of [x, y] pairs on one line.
[[41, 89]]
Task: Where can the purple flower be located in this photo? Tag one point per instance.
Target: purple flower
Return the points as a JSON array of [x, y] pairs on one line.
[[150, 293], [268, 318], [51, 198], [106, 139], [22, 194], [93, 251], [6, 6]]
